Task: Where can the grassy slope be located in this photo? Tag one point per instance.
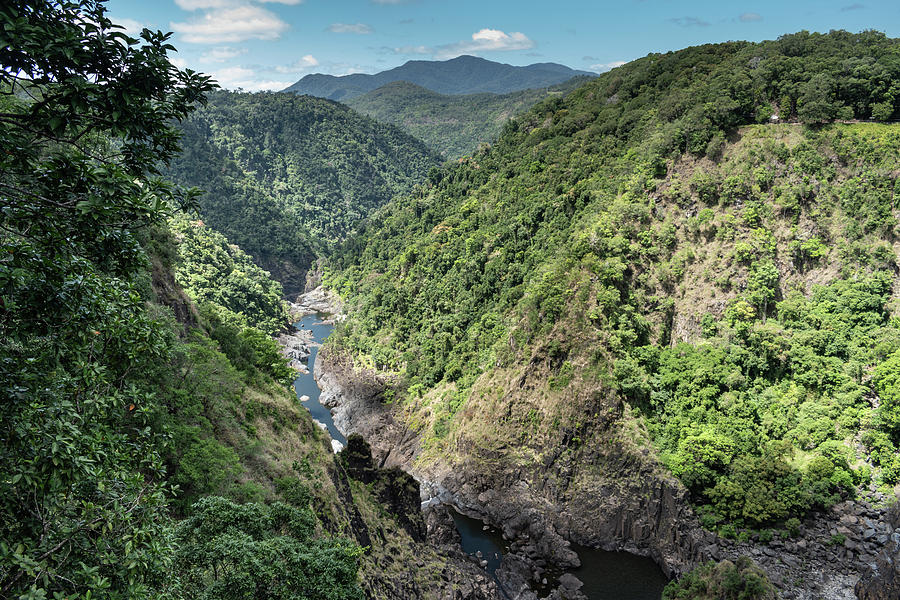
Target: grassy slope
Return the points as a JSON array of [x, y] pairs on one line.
[[550, 375], [237, 432]]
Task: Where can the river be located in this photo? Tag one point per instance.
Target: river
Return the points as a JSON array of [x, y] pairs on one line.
[[305, 385], [606, 575]]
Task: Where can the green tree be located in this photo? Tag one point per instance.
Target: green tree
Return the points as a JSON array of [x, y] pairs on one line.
[[816, 103], [701, 459], [739, 580], [251, 551], [887, 384], [86, 117]]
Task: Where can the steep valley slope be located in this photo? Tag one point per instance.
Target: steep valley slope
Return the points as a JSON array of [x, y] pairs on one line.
[[653, 316], [286, 176], [241, 439], [658, 315], [452, 125]]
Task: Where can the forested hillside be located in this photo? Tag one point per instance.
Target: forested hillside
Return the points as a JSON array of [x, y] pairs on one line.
[[453, 126], [460, 75], [656, 238], [213, 271], [286, 176], [661, 311], [151, 445], [120, 411]]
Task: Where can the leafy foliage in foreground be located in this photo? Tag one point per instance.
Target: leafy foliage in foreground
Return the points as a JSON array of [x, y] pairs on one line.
[[287, 175], [82, 500], [608, 225], [234, 551], [95, 377], [453, 126]]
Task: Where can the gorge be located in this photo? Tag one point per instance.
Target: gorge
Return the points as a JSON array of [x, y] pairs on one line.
[[639, 339], [599, 573]]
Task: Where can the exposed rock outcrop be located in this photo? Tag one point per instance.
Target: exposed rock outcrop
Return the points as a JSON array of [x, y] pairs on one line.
[[295, 348], [540, 507], [602, 493], [881, 581], [317, 300], [396, 489], [425, 562]]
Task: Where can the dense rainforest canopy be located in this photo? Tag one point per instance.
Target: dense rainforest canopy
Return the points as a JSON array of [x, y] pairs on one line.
[[286, 176], [693, 235], [658, 235], [453, 126]]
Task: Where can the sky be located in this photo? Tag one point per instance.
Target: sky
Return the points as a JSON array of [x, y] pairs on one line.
[[270, 44]]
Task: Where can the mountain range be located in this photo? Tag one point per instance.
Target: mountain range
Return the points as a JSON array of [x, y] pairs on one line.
[[460, 75]]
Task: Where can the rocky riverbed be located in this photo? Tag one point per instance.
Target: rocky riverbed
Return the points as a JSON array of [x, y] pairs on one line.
[[847, 552], [410, 555], [296, 344]]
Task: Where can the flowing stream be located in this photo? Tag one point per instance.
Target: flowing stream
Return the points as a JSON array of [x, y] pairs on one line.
[[305, 385], [606, 575]]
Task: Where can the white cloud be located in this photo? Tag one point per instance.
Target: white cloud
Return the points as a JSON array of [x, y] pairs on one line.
[[221, 54], [288, 2], [307, 62], [411, 50], [179, 63], [689, 22], [487, 40], [248, 79], [484, 40], [359, 28], [132, 27], [749, 17], [204, 4], [235, 24], [603, 67]]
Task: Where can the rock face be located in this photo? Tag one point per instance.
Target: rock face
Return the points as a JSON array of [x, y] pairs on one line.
[[317, 300], [295, 348], [537, 506], [881, 581], [541, 509], [355, 399], [428, 564], [603, 494], [827, 556], [396, 489]]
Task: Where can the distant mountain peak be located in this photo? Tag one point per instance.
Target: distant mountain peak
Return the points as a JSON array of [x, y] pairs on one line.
[[463, 74]]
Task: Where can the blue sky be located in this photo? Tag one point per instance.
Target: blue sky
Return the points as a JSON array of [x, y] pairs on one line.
[[269, 44]]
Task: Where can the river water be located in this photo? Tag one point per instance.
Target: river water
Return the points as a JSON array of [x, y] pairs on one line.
[[305, 385], [606, 575]]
